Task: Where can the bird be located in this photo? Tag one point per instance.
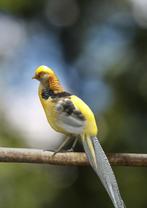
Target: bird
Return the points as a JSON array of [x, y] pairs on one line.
[[68, 114]]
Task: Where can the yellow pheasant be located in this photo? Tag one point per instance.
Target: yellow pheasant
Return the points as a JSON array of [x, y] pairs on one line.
[[68, 114]]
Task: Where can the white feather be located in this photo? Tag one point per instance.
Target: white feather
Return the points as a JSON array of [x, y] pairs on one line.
[[71, 124]]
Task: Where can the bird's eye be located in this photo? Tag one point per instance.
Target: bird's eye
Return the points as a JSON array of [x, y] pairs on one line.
[[43, 76]]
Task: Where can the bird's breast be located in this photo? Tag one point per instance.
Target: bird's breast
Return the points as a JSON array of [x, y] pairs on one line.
[[51, 114], [49, 106]]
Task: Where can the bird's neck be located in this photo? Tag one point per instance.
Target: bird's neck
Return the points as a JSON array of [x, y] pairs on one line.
[[55, 85]]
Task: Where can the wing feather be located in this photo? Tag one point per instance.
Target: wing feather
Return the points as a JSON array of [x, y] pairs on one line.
[[69, 116]]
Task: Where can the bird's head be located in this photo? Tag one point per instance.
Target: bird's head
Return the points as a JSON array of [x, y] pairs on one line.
[[47, 78]]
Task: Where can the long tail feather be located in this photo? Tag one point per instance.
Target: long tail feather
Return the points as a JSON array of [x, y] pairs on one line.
[[101, 166]]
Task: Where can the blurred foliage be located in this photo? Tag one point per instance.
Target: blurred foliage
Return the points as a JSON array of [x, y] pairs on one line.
[[24, 8], [103, 46]]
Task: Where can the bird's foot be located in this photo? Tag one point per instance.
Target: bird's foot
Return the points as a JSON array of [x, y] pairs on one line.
[[70, 150], [63, 151], [57, 151]]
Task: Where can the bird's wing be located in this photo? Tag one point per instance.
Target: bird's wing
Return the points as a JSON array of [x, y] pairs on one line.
[[70, 117]]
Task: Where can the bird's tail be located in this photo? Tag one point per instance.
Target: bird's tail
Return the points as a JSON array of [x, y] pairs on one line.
[[101, 166]]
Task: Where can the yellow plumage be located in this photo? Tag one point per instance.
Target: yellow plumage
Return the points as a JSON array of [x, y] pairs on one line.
[[50, 111], [49, 105], [69, 115], [52, 115], [90, 127]]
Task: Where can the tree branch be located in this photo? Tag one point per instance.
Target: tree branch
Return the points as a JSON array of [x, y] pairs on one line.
[[22, 155]]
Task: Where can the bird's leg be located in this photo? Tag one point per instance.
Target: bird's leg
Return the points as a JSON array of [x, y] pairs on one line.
[[61, 146], [73, 145]]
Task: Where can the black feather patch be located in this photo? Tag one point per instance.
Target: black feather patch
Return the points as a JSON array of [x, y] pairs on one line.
[[66, 105], [62, 94], [46, 93]]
